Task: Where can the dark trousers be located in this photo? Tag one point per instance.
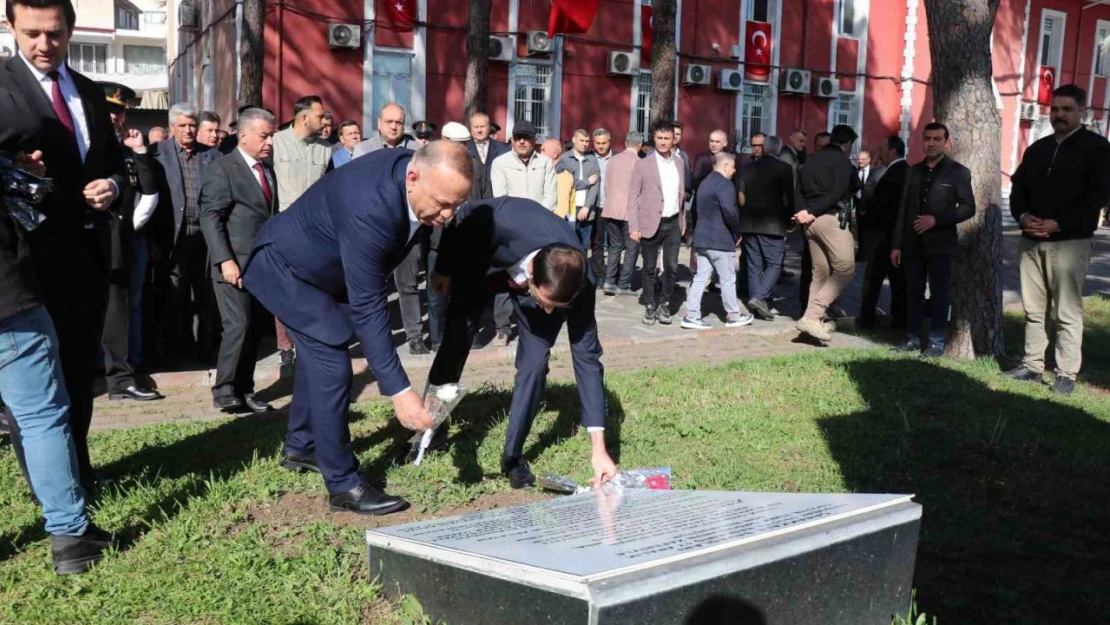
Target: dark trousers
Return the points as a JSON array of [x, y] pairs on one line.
[[937, 270], [437, 304], [597, 248], [116, 338], [618, 271], [668, 239], [243, 319], [318, 421], [407, 278], [191, 295], [879, 268], [502, 313], [585, 232], [538, 332], [763, 256], [806, 277]]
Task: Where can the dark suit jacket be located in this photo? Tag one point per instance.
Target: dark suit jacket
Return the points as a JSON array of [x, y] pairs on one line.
[[483, 188], [885, 203], [769, 197], [18, 133], [718, 215], [867, 190], [950, 200], [339, 242], [141, 181], [165, 224], [233, 209], [65, 209]]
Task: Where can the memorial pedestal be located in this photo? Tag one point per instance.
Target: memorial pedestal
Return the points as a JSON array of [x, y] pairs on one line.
[[660, 557]]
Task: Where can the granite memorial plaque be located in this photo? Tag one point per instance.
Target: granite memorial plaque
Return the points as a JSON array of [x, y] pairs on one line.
[[647, 556]]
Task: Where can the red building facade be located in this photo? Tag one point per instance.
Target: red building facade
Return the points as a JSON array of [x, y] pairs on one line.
[[866, 62]]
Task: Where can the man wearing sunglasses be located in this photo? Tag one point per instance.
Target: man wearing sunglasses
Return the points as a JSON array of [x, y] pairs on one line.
[[516, 245]]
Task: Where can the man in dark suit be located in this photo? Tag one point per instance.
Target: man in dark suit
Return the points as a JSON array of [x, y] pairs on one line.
[[182, 273], [239, 196], [516, 245], [321, 267], [937, 197], [70, 250], [868, 171], [484, 149], [876, 231], [769, 203]]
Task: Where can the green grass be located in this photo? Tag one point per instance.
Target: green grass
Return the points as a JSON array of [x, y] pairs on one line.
[[1015, 486]]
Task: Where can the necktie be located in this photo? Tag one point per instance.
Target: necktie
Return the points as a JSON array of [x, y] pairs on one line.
[[266, 192], [59, 102]]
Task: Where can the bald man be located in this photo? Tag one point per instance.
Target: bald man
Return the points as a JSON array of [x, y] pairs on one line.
[[702, 167], [552, 149], [391, 132]]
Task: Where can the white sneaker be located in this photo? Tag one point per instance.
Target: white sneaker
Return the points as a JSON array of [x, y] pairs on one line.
[[694, 324], [739, 321]]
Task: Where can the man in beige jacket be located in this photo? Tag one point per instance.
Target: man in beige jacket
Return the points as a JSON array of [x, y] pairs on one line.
[[616, 183], [523, 172]]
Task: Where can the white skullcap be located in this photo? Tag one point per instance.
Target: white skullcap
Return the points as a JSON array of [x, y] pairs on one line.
[[455, 131]]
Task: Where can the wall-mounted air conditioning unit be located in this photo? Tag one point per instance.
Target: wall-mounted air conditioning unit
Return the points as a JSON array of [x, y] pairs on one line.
[[622, 63], [697, 75], [1028, 111], [795, 80], [344, 35], [730, 80], [826, 87], [186, 16], [500, 48], [539, 43]]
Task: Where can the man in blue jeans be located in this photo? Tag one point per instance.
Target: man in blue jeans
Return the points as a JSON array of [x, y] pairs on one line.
[[715, 241], [31, 384]]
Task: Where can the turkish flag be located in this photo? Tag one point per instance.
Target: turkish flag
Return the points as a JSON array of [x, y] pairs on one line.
[[399, 15], [571, 16], [757, 52], [645, 36], [1048, 85]]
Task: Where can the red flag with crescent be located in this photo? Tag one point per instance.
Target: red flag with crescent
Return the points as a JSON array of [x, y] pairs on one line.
[[400, 15], [1048, 85], [571, 16], [646, 26], [757, 52]]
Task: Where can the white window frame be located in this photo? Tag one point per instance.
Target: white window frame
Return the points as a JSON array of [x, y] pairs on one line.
[[749, 11], [634, 102], [641, 104], [857, 23], [768, 100], [1100, 63], [398, 52], [1057, 61], [774, 17], [547, 128], [80, 64], [417, 103]]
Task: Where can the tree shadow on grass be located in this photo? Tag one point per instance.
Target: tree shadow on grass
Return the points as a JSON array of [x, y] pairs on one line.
[[1014, 489]]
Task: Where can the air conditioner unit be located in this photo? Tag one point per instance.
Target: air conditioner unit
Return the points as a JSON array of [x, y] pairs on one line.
[[1028, 111], [826, 87], [186, 16], [344, 36], [500, 48], [539, 43], [730, 80], [622, 63], [697, 75], [795, 81]]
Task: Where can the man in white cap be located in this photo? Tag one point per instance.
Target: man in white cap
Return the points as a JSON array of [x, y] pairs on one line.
[[454, 131]]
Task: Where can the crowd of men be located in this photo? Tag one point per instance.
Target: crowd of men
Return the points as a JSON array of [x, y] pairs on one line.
[[186, 243]]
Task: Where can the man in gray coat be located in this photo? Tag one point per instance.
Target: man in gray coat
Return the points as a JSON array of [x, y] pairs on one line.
[[583, 165], [391, 132]]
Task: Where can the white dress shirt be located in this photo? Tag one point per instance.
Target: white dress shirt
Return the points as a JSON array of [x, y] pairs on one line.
[[250, 164], [863, 173], [603, 163], [580, 194], [72, 99], [668, 177]]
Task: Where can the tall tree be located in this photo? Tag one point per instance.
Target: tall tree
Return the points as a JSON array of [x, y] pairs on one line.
[[963, 99], [664, 58], [252, 53], [476, 93]]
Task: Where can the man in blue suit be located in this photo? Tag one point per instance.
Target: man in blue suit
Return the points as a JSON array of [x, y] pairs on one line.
[[321, 268], [515, 245]]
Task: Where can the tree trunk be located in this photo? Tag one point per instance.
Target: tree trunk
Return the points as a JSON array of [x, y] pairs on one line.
[[476, 93], [251, 53], [664, 59], [963, 100]]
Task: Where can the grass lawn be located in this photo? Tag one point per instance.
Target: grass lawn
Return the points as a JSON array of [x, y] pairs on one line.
[[1015, 486]]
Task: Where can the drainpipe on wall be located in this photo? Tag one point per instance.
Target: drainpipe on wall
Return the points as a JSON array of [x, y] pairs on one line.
[[238, 47]]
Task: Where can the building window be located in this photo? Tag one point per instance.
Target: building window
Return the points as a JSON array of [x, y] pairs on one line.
[[641, 117], [1102, 49], [532, 95], [89, 58], [755, 114], [154, 17], [392, 79], [1052, 39], [759, 11], [127, 18], [845, 110], [846, 18], [144, 59]]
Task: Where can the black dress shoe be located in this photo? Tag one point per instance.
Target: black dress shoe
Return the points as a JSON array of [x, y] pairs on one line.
[[288, 361], [364, 499], [229, 404], [256, 405], [75, 554], [418, 348], [1022, 374], [300, 462], [518, 472], [760, 310], [933, 351], [136, 393], [92, 480], [908, 347]]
